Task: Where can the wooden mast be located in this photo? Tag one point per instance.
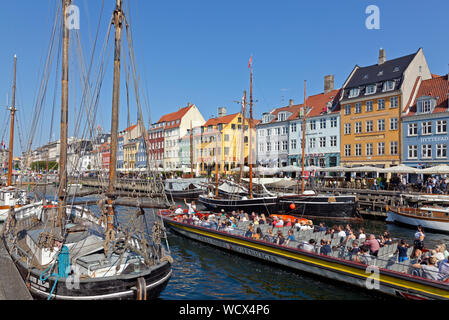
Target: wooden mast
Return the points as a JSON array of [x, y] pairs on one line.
[[242, 147], [250, 133], [304, 108], [11, 132], [191, 150], [118, 20], [64, 120]]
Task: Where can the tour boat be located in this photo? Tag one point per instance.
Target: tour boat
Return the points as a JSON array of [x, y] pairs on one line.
[[429, 217]]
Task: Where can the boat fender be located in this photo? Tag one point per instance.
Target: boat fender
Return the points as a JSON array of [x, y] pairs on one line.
[[141, 291], [387, 208], [331, 199]]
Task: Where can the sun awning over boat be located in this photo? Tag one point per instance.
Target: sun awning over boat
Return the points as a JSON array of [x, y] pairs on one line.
[[274, 182]]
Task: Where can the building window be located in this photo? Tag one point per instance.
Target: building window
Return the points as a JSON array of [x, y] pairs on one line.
[[284, 130], [380, 148], [322, 142], [261, 149], [426, 128], [322, 123], [369, 126], [284, 145], [371, 89], [441, 126], [333, 122], [348, 109], [354, 92], [312, 124], [358, 127], [381, 125], [394, 148], [358, 149], [322, 162], [268, 132], [388, 85], [381, 104], [369, 106], [426, 151], [347, 150], [358, 108], [333, 141], [412, 129], [277, 146], [281, 116], [293, 127], [312, 143], [413, 152], [268, 146], [441, 151], [394, 102], [347, 128], [426, 106], [369, 149], [293, 144], [278, 131], [394, 124]]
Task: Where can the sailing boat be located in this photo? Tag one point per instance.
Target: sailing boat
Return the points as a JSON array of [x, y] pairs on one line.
[[10, 196], [266, 203], [66, 251]]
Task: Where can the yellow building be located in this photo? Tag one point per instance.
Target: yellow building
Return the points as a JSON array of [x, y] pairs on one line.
[[130, 150], [224, 139], [371, 107]]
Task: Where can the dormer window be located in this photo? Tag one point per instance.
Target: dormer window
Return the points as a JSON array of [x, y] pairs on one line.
[[388, 85], [282, 116], [425, 104], [371, 89], [354, 92]]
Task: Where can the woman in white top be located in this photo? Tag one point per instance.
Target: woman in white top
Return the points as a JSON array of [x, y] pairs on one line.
[[362, 235]]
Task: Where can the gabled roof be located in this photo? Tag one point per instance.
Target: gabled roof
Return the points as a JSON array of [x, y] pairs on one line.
[[175, 116], [319, 103], [437, 87], [221, 120]]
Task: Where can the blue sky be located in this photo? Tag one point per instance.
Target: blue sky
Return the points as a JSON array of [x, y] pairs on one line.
[[197, 51]]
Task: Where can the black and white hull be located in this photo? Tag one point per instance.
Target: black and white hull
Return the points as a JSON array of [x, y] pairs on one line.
[[266, 205]]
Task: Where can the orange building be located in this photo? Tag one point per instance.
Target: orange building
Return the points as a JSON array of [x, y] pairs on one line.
[[371, 105]]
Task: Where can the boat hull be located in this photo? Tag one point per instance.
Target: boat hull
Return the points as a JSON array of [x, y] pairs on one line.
[[257, 205], [393, 216], [122, 288], [184, 194], [389, 282], [322, 207]]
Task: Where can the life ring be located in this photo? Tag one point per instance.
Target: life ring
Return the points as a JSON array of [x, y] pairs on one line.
[[119, 246]]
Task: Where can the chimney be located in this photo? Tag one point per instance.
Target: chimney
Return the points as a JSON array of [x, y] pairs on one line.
[[290, 103], [382, 57], [328, 83], [221, 112]]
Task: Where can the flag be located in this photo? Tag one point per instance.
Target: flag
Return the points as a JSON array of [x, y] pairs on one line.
[[3, 145], [250, 61]]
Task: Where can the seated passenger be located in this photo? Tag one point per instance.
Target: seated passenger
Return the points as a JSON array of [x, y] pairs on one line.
[[228, 227], [279, 223], [373, 245], [364, 256], [308, 246], [354, 249], [439, 253], [290, 237], [280, 238], [269, 236], [249, 232], [325, 247], [258, 234], [341, 233], [429, 271], [443, 269], [322, 227], [179, 210]]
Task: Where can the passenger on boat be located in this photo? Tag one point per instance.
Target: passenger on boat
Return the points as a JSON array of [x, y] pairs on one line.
[[354, 249], [402, 251], [307, 246], [305, 226], [280, 238], [429, 271], [245, 217], [290, 237], [443, 268], [419, 238], [325, 247], [269, 236], [362, 235], [179, 210], [347, 229], [322, 227], [373, 245], [263, 219], [364, 256], [289, 223], [258, 234], [256, 220], [191, 207], [341, 233], [279, 223], [349, 237], [228, 227], [445, 252], [249, 232], [439, 254]]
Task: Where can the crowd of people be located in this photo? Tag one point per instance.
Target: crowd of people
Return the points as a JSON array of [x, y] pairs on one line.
[[362, 247]]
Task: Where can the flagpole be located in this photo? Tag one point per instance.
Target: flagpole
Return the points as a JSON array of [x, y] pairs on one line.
[[303, 135], [250, 128]]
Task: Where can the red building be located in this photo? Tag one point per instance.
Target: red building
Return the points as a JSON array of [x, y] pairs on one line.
[[105, 151]]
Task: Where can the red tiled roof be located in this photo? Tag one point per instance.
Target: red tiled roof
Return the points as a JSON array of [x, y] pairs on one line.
[[435, 87], [220, 120], [412, 95], [318, 102], [174, 116]]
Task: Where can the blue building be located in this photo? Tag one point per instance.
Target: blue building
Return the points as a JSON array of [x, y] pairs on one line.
[[425, 124], [141, 156], [120, 142]]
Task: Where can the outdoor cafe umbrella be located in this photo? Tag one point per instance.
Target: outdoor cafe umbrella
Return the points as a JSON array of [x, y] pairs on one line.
[[335, 169], [291, 168], [402, 168], [364, 169], [440, 169]]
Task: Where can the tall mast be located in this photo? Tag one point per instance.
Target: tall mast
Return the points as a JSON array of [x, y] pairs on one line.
[[242, 147], [250, 134], [191, 150], [304, 108], [11, 132], [64, 119], [118, 20], [216, 163]]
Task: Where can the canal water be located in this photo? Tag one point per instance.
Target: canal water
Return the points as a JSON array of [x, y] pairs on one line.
[[203, 272]]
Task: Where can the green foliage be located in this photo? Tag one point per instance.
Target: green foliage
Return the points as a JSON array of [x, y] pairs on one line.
[[42, 165]]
